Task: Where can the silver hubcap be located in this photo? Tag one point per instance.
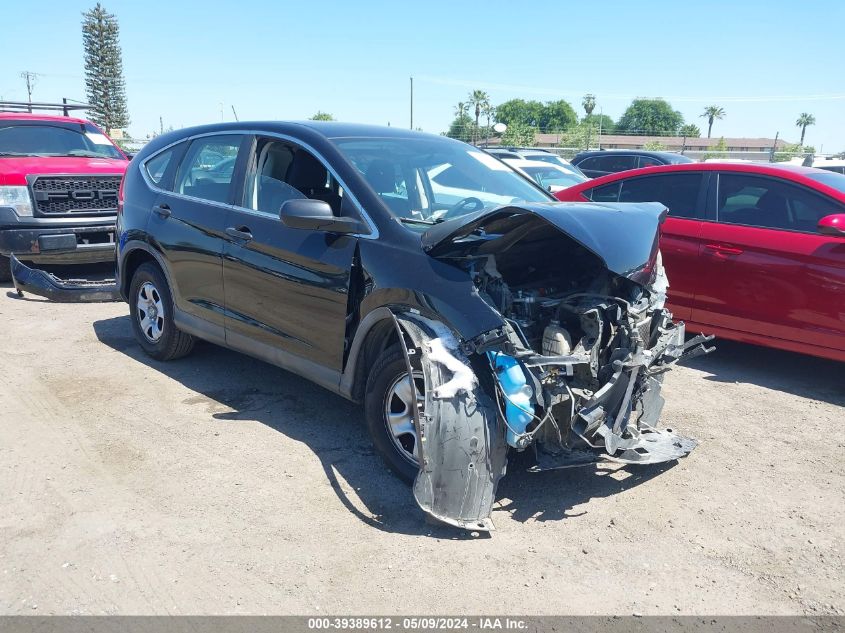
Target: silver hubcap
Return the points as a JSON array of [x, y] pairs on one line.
[[399, 413], [150, 312]]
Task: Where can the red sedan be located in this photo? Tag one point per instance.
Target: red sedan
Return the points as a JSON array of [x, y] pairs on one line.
[[754, 252]]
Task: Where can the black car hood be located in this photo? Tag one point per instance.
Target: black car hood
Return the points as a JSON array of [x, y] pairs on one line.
[[623, 236]]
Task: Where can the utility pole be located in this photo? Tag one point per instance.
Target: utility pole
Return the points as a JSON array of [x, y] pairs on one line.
[[30, 78], [235, 113], [412, 103], [160, 125], [774, 147]]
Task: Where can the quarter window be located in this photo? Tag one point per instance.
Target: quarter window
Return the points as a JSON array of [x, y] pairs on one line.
[[679, 192], [157, 166], [206, 170], [608, 193], [771, 203]]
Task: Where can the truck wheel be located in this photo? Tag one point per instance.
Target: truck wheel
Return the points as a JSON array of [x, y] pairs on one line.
[[151, 313], [388, 409], [5, 269]]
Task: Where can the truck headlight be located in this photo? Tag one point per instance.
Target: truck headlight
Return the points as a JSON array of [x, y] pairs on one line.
[[17, 198]]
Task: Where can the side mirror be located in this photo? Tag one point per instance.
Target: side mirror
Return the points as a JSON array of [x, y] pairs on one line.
[[316, 215], [832, 225]]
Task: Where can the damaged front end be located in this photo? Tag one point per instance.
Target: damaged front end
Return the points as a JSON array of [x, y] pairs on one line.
[[39, 282], [574, 372]]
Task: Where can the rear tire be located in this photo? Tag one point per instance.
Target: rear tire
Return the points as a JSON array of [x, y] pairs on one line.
[[383, 396], [5, 269], [151, 313]]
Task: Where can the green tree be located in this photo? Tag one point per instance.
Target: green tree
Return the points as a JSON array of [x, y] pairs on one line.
[[462, 128], [803, 121], [322, 116], [552, 116], [589, 103], [601, 123], [519, 112], [711, 113], [579, 136], [520, 135], [104, 84], [557, 116], [650, 116], [719, 150], [691, 130], [478, 100], [654, 146]]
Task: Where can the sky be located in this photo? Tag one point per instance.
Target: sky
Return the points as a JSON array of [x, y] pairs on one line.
[[190, 62]]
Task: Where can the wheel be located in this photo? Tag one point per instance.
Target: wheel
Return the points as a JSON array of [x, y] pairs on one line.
[[388, 409], [151, 313], [5, 269]]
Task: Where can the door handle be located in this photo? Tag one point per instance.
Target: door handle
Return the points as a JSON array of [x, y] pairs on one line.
[[162, 210], [239, 233], [724, 251]]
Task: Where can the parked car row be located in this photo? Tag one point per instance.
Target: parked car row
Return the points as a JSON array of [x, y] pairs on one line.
[[754, 252]]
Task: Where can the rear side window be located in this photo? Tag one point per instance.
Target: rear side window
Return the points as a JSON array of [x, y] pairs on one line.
[[157, 166], [207, 169], [607, 193], [589, 164], [679, 192], [771, 203], [646, 161]]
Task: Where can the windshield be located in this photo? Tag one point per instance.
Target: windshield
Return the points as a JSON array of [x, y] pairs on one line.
[[549, 176], [831, 179], [20, 139], [425, 180]]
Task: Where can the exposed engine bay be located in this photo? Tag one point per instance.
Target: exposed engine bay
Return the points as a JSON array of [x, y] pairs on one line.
[[591, 366], [574, 373]]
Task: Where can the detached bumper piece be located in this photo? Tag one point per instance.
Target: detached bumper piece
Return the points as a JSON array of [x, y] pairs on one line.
[[43, 284]]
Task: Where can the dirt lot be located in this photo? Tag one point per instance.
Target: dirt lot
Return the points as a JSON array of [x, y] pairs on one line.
[[219, 484]]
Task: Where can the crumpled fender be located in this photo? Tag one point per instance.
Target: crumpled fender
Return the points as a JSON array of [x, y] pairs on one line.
[[462, 447]]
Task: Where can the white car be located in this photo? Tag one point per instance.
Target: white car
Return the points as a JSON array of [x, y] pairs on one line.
[[549, 176], [527, 153]]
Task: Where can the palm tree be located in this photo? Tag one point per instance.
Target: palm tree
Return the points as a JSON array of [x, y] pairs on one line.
[[479, 99], [589, 103], [711, 113], [803, 121]]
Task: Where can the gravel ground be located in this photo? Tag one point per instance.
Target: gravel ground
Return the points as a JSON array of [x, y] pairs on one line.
[[217, 484]]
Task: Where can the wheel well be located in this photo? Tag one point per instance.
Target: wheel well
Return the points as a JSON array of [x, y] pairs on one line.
[[380, 337], [131, 264]]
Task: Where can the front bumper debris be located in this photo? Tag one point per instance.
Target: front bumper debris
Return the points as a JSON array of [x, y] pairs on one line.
[[44, 284]]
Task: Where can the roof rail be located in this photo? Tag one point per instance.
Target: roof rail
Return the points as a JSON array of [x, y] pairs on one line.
[[25, 106]]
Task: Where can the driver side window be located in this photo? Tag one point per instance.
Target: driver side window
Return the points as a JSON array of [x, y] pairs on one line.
[[283, 171]]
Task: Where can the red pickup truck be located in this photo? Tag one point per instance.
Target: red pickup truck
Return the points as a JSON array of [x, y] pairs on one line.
[[59, 181]]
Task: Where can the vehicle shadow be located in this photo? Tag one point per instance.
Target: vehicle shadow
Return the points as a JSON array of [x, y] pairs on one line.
[[797, 374], [333, 428]]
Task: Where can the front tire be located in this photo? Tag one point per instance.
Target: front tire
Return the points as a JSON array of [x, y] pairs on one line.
[[388, 403], [151, 313]]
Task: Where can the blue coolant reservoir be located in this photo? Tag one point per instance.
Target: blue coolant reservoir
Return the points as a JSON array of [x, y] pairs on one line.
[[518, 408]]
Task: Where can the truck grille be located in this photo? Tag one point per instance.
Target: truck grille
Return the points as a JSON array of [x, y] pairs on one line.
[[55, 195]]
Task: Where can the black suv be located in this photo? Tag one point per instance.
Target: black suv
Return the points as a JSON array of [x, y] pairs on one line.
[[603, 162], [466, 309]]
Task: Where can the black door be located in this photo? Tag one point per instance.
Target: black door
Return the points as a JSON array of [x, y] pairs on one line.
[[189, 222], [286, 289]]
